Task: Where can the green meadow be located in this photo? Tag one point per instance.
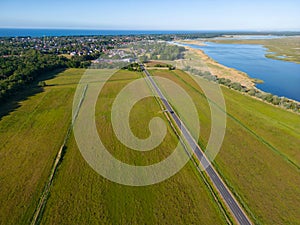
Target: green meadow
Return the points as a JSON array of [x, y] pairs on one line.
[[259, 158], [31, 132], [78, 194]]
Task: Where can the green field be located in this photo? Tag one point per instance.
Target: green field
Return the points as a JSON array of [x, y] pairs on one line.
[[30, 136], [87, 198], [79, 195], [260, 156], [259, 160], [287, 48]]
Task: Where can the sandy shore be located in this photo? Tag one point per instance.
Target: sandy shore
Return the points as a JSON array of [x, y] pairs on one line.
[[222, 71], [196, 58], [192, 42]]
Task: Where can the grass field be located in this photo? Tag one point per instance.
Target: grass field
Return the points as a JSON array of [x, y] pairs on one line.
[[153, 63], [79, 195], [287, 48], [259, 160], [260, 157], [30, 137]]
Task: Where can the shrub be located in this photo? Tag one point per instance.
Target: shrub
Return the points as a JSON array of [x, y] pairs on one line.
[[252, 92], [42, 84], [236, 86]]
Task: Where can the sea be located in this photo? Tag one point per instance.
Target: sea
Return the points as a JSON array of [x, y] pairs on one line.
[[19, 32]]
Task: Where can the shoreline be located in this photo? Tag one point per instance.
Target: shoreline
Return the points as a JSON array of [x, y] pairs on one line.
[[192, 42], [222, 71], [275, 48]]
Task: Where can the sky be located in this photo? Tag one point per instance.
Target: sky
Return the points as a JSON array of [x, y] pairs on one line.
[[255, 15]]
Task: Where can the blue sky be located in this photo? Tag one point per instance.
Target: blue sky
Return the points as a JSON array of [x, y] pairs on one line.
[[154, 14]]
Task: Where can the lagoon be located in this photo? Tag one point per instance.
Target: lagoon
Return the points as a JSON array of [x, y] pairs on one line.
[[280, 78]]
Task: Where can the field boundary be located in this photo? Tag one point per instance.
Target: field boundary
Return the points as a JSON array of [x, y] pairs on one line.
[[58, 160]]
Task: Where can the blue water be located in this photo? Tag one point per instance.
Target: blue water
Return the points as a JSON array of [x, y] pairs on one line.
[[17, 32], [281, 78]]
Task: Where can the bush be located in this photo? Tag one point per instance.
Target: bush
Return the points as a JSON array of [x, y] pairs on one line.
[[267, 97], [258, 94], [224, 81], [42, 84], [276, 100], [236, 86], [252, 92], [186, 68]]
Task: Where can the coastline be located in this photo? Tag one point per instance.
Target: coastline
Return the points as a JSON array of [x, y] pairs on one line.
[[284, 49], [222, 71], [192, 42]]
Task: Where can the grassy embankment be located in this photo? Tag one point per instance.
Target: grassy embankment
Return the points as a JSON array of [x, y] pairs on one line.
[[260, 157], [33, 134], [287, 48]]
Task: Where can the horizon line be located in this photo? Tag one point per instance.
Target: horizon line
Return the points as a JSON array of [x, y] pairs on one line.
[[127, 29]]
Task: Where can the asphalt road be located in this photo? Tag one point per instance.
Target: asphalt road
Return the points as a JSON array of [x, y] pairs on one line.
[[219, 184]]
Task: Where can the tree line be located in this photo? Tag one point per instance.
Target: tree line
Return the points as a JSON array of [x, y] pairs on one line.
[[18, 71]]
